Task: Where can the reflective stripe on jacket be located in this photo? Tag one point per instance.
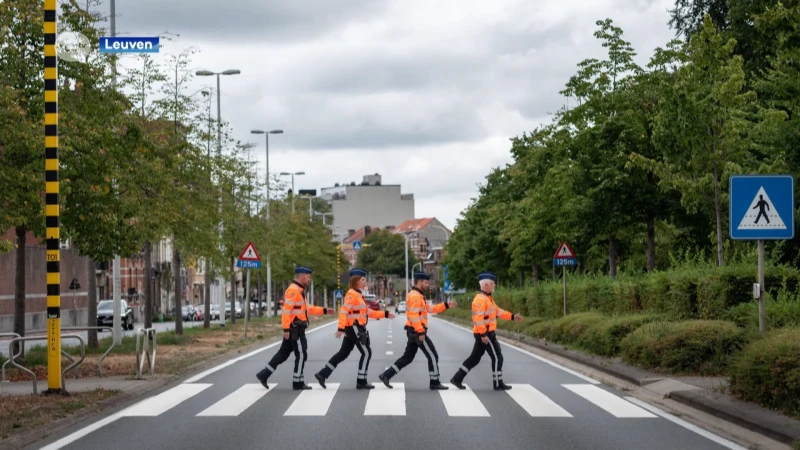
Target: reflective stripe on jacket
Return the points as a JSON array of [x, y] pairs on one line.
[[354, 309], [485, 313], [295, 305], [418, 308]]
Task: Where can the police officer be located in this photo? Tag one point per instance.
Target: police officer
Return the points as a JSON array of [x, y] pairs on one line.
[[353, 319], [294, 317], [417, 331], [484, 323]]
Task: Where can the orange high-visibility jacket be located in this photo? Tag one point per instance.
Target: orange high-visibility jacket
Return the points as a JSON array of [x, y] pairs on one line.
[[485, 313], [295, 305], [418, 309], [355, 309]]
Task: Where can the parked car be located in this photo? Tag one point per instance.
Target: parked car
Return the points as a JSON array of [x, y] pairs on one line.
[[105, 314], [189, 314], [214, 313], [372, 302], [401, 308]]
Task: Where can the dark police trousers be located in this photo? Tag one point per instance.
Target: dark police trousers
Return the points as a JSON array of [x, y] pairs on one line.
[[412, 346], [299, 347], [349, 342], [493, 348]]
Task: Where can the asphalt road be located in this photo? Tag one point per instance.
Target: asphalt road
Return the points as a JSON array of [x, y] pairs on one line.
[[549, 407], [159, 326]]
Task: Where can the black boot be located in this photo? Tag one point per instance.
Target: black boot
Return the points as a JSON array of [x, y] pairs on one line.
[[500, 386], [263, 376], [301, 386], [320, 379], [365, 385], [438, 386], [385, 380], [458, 379]]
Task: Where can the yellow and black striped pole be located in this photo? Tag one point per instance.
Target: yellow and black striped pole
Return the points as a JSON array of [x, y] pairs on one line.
[[51, 200]]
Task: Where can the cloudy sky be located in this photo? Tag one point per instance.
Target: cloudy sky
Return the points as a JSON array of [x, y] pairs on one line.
[[425, 92]]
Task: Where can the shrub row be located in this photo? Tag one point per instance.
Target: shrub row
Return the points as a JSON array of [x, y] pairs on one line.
[[682, 294], [764, 370]]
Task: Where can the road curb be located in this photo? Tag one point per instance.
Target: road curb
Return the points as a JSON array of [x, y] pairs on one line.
[[126, 399], [744, 414]]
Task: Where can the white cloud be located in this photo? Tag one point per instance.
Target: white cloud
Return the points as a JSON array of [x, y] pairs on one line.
[[426, 93]]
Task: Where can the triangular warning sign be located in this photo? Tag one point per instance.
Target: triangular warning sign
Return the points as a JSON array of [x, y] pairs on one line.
[[249, 253], [564, 251], [761, 215]]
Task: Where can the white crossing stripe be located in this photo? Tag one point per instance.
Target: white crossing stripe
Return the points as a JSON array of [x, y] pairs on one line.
[[388, 342], [384, 401], [389, 352], [462, 403], [534, 402], [608, 401], [313, 402], [236, 402], [164, 401]]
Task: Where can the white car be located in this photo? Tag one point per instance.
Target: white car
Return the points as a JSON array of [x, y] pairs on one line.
[[401, 307]]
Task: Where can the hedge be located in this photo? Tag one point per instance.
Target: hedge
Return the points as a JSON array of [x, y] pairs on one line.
[[682, 294], [767, 371], [697, 347]]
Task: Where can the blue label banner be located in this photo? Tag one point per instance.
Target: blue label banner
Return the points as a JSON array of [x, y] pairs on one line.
[[248, 264], [129, 44]]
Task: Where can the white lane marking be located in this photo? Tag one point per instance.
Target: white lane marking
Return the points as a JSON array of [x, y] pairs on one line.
[[208, 372], [313, 402], [164, 401], [544, 360], [389, 352], [608, 401], [462, 403], [63, 442], [535, 403], [706, 434], [110, 419], [237, 401], [388, 342], [383, 401]]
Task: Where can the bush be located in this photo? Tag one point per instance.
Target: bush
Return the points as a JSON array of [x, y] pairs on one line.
[[700, 347], [781, 312], [767, 371], [603, 338]]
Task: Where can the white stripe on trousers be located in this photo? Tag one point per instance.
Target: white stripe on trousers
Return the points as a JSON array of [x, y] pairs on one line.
[[432, 357], [492, 353], [362, 369], [301, 359]]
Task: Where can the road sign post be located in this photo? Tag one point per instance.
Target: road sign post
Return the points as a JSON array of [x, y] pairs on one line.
[[248, 259], [565, 257], [761, 208], [338, 296]]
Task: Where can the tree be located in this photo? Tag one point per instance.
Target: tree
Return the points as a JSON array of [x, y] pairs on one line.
[[385, 253]]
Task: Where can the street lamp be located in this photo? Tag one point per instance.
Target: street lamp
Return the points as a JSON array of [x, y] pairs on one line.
[[269, 265], [406, 236], [208, 73], [292, 174]]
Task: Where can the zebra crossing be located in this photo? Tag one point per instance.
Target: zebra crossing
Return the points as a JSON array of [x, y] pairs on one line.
[[383, 401]]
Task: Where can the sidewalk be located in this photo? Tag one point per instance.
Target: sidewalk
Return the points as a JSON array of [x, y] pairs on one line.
[[121, 383], [706, 394]]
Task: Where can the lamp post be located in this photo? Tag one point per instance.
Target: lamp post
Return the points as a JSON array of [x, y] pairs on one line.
[[406, 235], [208, 73], [292, 174], [269, 265]]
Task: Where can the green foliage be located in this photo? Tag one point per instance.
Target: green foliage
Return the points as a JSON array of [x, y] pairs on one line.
[[695, 347], [767, 371], [385, 253]]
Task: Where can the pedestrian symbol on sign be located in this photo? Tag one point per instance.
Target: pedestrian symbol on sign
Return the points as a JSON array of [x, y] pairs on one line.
[[761, 208]]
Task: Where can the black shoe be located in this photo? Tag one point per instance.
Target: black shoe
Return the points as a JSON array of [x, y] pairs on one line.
[[321, 380], [439, 387], [365, 386], [263, 377], [501, 387], [385, 380], [301, 387], [457, 384]]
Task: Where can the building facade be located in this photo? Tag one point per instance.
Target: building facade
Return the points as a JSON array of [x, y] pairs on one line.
[[369, 203]]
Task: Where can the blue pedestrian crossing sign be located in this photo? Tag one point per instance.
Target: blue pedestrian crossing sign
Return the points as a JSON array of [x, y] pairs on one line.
[[338, 295], [565, 256], [761, 207], [249, 258], [357, 245]]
